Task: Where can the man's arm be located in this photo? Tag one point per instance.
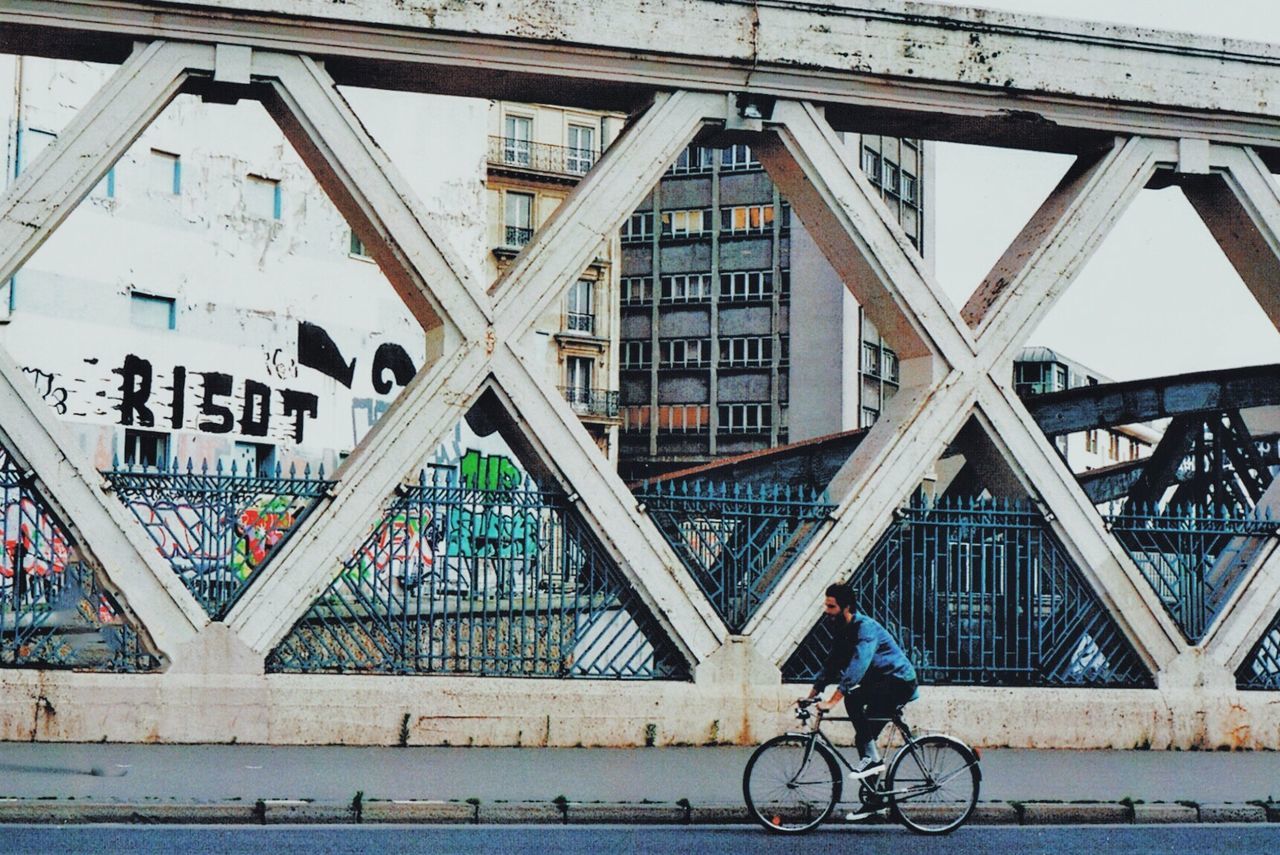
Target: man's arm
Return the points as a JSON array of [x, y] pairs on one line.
[[853, 672]]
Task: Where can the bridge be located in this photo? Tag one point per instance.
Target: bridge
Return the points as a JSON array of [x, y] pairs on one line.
[[576, 610]]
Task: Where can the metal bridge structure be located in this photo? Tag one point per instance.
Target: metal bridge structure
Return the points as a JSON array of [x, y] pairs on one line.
[[1034, 620]]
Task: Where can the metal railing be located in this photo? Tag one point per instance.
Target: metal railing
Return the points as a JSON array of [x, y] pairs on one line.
[[516, 236], [541, 157], [583, 322], [1261, 669], [1193, 557], [737, 541], [980, 592], [592, 402], [217, 528], [459, 580], [53, 610]]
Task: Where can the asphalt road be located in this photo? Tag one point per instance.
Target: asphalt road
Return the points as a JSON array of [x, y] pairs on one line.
[[667, 840]]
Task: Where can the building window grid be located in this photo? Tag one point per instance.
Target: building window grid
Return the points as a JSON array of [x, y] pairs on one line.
[[686, 288], [518, 219], [687, 223], [746, 219], [580, 311], [694, 160], [581, 153], [738, 158], [684, 353], [517, 140], [636, 355], [637, 290], [745, 418], [639, 227], [746, 285]]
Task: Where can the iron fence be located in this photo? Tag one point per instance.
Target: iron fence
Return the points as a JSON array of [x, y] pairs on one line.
[[980, 592], [1261, 669], [573, 161], [460, 580], [53, 610], [517, 236], [217, 528], [1193, 557], [736, 540], [592, 402]]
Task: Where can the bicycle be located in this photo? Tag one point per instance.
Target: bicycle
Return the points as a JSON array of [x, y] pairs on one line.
[[793, 782]]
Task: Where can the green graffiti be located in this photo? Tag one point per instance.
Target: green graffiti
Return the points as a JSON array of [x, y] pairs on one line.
[[488, 472], [491, 534]]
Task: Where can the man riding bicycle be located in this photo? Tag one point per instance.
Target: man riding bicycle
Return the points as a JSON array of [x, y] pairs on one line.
[[873, 677]]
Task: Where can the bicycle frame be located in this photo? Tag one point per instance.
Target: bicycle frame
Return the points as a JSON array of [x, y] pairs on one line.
[[815, 735]]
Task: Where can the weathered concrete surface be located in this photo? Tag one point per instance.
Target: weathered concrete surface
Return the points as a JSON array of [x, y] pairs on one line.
[[1010, 62], [373, 710], [1053, 813]]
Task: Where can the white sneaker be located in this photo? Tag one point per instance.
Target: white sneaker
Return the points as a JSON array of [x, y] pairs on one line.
[[865, 813], [867, 769]]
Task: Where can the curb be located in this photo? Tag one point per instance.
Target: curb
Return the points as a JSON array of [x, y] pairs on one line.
[[425, 812]]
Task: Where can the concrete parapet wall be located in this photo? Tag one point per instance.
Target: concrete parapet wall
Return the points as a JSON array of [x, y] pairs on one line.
[[368, 710]]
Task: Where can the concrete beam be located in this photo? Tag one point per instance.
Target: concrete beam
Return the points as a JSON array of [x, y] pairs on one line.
[[966, 74]]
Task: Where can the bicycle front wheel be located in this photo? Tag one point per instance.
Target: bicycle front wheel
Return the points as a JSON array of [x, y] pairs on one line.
[[933, 784], [791, 784]]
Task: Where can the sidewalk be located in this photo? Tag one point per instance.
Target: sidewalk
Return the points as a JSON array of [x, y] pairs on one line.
[[248, 783]]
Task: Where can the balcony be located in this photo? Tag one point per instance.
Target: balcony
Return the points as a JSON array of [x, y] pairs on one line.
[[556, 160], [600, 403], [580, 322], [516, 237]]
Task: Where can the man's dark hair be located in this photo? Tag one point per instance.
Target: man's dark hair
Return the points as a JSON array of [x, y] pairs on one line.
[[843, 595]]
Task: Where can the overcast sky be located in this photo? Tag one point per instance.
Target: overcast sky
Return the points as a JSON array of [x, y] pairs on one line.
[[1158, 297]]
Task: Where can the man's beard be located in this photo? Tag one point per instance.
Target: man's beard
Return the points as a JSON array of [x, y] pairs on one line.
[[833, 621]]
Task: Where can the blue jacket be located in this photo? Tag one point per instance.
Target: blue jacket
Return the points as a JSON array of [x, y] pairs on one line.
[[861, 651]]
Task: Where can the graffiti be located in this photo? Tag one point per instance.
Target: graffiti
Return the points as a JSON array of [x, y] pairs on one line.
[[54, 396], [488, 472], [33, 545], [317, 350], [281, 366], [215, 407], [259, 528], [364, 412]]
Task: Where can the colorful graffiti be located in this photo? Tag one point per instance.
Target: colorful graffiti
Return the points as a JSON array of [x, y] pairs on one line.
[[34, 547]]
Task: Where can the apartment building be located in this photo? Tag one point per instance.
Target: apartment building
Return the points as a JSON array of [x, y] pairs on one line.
[[735, 333], [535, 155]]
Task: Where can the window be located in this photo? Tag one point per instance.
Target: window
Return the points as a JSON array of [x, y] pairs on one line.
[[870, 359], [165, 172], [517, 132], [1113, 447], [694, 159], [580, 316], [639, 227], [677, 224], [868, 417], [145, 448], [746, 352], [737, 158], [158, 313], [871, 165], [582, 149], [684, 353], [1091, 442], [637, 290], [637, 354], [262, 197], [357, 247], [745, 418], [255, 457], [909, 188], [578, 373], [686, 288], [518, 219], [746, 219], [889, 176], [742, 285], [889, 365]]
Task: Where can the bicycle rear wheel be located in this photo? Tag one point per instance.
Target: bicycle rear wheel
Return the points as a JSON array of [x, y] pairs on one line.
[[933, 784], [791, 783]]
